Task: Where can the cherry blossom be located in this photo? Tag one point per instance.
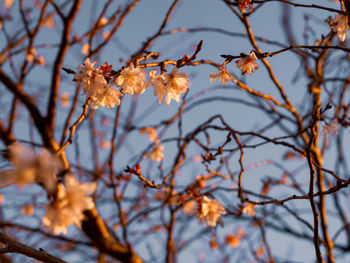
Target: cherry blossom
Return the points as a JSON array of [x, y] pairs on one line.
[[210, 211], [107, 97], [70, 203], [340, 26], [247, 64], [90, 78], [132, 80], [223, 75], [95, 86], [249, 209], [171, 85], [232, 240], [29, 168], [157, 153], [57, 219], [152, 132]]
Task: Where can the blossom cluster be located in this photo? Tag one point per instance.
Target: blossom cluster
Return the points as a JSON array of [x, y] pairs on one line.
[[340, 26], [132, 80], [29, 168], [207, 210], [69, 204], [69, 198], [247, 64]]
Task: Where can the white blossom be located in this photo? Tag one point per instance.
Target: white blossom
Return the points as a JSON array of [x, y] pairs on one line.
[[90, 78], [340, 26], [223, 75], [171, 85], [70, 203], [29, 168], [247, 64], [95, 86], [210, 211], [132, 80], [249, 209], [152, 133], [57, 219], [107, 97], [157, 153]]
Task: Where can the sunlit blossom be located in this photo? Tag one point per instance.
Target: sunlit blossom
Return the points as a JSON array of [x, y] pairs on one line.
[[190, 207], [56, 220], [210, 211], [65, 99], [340, 26], [70, 203], [331, 128], [106, 97], [95, 86], [171, 85], [249, 209], [152, 132], [232, 240], [49, 21], [89, 78], [31, 54], [29, 168], [247, 64], [85, 49], [223, 75], [157, 153], [132, 80], [28, 210], [8, 3]]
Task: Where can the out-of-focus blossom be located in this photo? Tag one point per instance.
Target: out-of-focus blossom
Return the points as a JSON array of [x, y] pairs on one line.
[[340, 26], [223, 75], [85, 49], [241, 232], [105, 144], [46, 164], [331, 128], [65, 99], [249, 209], [29, 168], [190, 207], [132, 80], [232, 240], [102, 22], [1, 199], [247, 64], [210, 211], [57, 219], [152, 132], [8, 3], [197, 158], [157, 153], [259, 253], [28, 210], [49, 21], [171, 85], [70, 203], [106, 34], [31, 54], [76, 199], [40, 60]]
